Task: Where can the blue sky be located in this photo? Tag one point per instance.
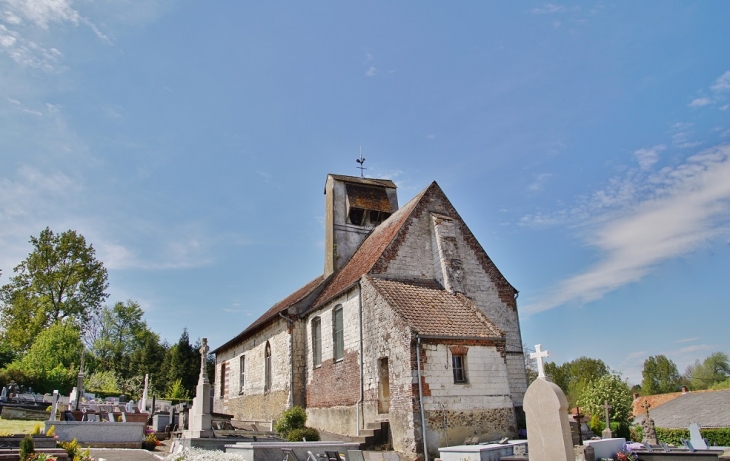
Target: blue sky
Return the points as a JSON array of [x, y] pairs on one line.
[[586, 146]]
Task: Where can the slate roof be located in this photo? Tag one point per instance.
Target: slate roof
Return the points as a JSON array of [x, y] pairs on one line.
[[706, 408], [432, 311]]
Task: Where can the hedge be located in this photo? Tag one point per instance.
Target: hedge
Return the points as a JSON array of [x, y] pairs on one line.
[[716, 436]]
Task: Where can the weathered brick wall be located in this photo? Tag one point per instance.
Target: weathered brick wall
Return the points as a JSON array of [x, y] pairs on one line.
[[333, 388], [253, 403], [417, 256], [386, 334]]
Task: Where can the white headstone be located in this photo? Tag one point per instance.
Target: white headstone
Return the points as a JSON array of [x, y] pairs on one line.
[[695, 437], [143, 402], [546, 414], [54, 406], [129, 407], [72, 397]]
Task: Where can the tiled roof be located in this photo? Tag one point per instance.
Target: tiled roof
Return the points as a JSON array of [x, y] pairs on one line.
[[433, 311], [281, 306], [706, 408], [654, 400], [370, 250]]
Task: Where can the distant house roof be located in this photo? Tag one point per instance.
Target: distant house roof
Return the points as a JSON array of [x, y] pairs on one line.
[[706, 408], [432, 311]]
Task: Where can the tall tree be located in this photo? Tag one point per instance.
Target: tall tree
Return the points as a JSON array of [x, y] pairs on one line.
[[60, 280], [572, 377], [660, 376], [609, 388], [182, 361], [714, 369]]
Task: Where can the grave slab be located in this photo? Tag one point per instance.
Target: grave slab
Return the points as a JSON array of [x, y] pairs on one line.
[[486, 452]]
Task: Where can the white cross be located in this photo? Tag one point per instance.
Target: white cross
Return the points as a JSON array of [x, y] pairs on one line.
[[538, 355]]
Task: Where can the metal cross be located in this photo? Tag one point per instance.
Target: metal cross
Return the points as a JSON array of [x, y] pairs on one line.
[[578, 418], [607, 407], [538, 355]]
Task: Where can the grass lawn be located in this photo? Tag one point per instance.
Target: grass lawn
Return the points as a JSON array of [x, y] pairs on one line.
[[16, 426]]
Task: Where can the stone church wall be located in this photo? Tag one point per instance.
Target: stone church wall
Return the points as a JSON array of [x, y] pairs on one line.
[[253, 402], [480, 407], [387, 335], [333, 388]]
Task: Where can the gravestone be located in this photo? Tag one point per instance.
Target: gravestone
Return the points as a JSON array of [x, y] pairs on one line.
[[54, 406], [695, 437], [647, 426], [607, 433], [546, 414]]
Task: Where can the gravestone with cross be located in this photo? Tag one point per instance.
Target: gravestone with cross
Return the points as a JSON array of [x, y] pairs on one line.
[[546, 413], [607, 433], [200, 414], [647, 426]]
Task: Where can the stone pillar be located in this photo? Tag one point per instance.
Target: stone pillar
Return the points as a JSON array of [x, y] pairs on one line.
[[200, 417], [54, 406]]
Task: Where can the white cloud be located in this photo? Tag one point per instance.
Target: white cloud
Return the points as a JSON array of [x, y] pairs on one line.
[[722, 83], [649, 156], [539, 182], [371, 72], [42, 12], [431, 136], [653, 218], [700, 102], [548, 8], [688, 340]]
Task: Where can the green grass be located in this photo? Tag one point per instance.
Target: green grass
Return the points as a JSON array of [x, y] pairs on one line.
[[16, 426]]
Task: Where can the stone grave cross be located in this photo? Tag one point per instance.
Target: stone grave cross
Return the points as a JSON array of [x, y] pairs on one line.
[[204, 361], [538, 355], [607, 434], [646, 405], [578, 418]]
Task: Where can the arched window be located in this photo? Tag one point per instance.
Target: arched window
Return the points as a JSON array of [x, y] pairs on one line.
[[267, 367], [317, 341], [338, 334]]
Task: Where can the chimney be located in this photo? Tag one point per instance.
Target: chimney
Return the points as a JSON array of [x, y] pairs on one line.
[[636, 395], [684, 389], [353, 208]]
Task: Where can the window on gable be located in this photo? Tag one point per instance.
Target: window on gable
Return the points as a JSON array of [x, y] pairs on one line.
[[338, 334], [317, 341], [267, 367], [242, 367], [458, 363]]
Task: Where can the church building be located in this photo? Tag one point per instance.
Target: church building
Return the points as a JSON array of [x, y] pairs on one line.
[[411, 325]]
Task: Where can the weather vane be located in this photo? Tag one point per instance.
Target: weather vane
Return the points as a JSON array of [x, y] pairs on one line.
[[361, 160]]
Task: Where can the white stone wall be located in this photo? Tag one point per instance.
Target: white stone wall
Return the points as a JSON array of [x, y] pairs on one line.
[[253, 348], [487, 384]]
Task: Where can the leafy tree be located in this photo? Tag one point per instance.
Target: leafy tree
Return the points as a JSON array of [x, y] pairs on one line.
[[121, 332], [572, 377], [61, 279], [530, 366], [148, 359], [714, 369], [616, 391], [103, 381], [52, 361], [660, 376]]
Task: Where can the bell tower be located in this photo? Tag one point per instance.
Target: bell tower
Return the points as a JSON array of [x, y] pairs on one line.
[[353, 208]]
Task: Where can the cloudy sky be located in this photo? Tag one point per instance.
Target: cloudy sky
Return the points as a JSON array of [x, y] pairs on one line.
[[587, 147]]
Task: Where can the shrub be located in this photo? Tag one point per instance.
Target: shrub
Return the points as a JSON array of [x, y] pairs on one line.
[[716, 436], [36, 429], [293, 418], [51, 430], [596, 424], [27, 447], [309, 434], [637, 433]]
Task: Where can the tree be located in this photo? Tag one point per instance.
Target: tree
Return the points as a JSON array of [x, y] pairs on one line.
[[60, 280], [530, 366], [121, 332], [572, 377], [714, 369], [612, 389], [52, 362], [660, 376], [182, 361]]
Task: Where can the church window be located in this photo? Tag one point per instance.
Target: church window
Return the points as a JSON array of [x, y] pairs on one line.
[[317, 341], [242, 367], [223, 379], [338, 334], [267, 367], [458, 363]]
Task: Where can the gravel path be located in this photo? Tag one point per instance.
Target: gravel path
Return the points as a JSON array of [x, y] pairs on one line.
[[121, 454]]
